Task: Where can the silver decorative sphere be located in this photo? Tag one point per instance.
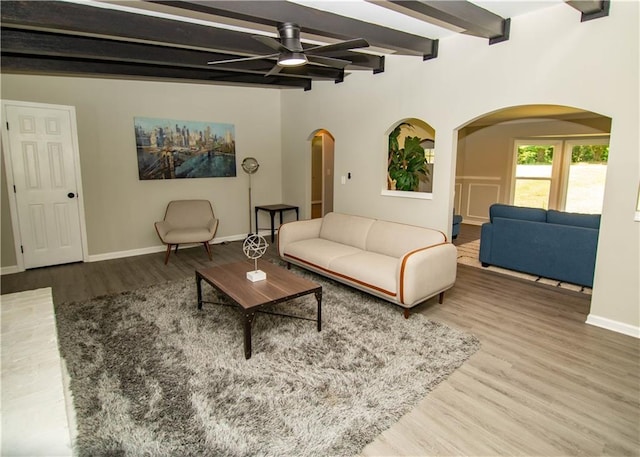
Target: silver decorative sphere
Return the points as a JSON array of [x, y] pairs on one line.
[[254, 246]]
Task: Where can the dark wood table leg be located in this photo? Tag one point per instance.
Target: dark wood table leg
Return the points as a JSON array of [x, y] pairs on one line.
[[199, 289], [318, 295], [273, 215], [248, 320]]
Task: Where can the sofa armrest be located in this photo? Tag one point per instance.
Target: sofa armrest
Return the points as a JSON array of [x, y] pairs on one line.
[[291, 232], [162, 228], [486, 238], [426, 272]]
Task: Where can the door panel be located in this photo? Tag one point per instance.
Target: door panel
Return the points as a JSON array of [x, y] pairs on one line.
[[42, 155]]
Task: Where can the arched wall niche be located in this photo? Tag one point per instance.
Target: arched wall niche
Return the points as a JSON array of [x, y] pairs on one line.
[[418, 132]]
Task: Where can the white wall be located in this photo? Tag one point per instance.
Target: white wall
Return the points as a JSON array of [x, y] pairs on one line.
[[121, 209], [551, 58]]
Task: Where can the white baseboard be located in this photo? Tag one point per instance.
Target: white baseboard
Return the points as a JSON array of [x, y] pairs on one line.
[[615, 326], [152, 250], [9, 270], [122, 254], [473, 222]]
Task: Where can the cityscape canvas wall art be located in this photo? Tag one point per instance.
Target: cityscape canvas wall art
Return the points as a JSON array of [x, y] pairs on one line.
[[170, 149]]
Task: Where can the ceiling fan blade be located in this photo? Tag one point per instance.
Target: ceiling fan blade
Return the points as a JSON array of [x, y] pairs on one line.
[[274, 71], [242, 59], [271, 42], [341, 46], [328, 61]]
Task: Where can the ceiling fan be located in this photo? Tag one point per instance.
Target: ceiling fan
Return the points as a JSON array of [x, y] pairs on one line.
[[292, 54]]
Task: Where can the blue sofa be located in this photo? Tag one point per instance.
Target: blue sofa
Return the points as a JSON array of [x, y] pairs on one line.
[[548, 243], [455, 228]]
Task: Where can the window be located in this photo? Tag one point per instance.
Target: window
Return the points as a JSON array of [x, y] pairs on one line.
[[566, 175], [534, 184], [586, 176]]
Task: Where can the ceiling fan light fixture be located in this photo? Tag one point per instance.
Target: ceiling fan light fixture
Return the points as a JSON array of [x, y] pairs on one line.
[[292, 59]]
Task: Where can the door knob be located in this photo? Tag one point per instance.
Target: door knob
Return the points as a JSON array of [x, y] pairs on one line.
[[71, 195]]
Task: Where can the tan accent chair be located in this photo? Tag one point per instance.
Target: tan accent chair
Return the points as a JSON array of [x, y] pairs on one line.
[[187, 221]]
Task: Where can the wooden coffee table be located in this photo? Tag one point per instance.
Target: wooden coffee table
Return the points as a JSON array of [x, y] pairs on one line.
[[280, 285]]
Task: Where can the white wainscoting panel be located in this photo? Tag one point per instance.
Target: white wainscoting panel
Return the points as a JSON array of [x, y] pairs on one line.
[[480, 197]]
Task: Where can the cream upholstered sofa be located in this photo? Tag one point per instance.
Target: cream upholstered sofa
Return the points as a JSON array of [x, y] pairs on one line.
[[400, 263]]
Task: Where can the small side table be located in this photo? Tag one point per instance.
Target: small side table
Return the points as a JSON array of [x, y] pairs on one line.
[[272, 210]]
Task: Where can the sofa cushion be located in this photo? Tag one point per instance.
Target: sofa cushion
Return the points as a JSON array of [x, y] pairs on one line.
[[574, 219], [517, 212], [554, 251], [372, 269], [187, 235], [346, 229], [318, 251], [395, 240]]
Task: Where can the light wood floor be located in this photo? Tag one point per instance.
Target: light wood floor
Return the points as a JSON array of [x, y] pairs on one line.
[[543, 382]]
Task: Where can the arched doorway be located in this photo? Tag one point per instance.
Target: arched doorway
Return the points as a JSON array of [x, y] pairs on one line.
[[322, 165], [492, 149], [537, 157]]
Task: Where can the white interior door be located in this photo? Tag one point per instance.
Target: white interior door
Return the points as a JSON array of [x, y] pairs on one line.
[[42, 149]]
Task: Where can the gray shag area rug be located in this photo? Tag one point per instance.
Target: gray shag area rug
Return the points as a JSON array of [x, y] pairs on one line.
[[151, 375]]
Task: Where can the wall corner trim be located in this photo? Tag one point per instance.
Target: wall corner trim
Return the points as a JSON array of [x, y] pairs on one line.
[[615, 326]]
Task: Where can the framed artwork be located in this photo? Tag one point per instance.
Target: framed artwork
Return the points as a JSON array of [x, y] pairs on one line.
[[171, 149]]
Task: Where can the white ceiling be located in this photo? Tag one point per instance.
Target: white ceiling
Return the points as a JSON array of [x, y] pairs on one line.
[[367, 11], [363, 10]]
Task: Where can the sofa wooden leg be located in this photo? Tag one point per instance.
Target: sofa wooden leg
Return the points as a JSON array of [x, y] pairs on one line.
[[166, 256], [407, 312], [207, 248], [441, 298], [485, 265]]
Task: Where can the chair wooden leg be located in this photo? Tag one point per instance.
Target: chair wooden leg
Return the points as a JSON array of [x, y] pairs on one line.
[[166, 256], [207, 248], [407, 312], [441, 298], [177, 248]]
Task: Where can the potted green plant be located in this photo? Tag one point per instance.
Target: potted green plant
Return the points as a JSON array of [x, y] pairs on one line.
[[407, 166]]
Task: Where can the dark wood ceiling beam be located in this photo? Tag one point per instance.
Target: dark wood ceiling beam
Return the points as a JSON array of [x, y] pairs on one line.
[[81, 67], [463, 15], [38, 43], [101, 22], [590, 9], [82, 20], [313, 21]]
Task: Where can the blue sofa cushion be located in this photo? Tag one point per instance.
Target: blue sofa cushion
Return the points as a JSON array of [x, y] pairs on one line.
[[574, 219], [517, 212]]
